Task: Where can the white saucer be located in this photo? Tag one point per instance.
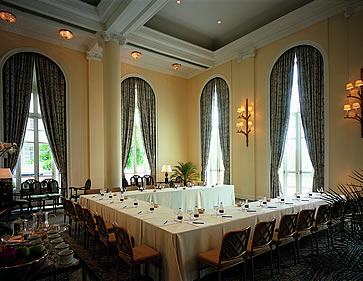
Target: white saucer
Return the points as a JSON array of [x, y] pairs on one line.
[[74, 262]]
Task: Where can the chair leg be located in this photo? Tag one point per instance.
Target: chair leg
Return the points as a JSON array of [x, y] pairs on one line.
[[327, 236], [108, 252], [294, 253], [298, 249], [272, 272], [317, 243], [159, 269], [253, 269], [219, 275], [245, 268], [118, 269], [278, 259], [311, 243], [198, 270]]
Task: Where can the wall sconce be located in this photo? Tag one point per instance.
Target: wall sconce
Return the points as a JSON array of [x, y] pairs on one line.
[[356, 105], [245, 113]]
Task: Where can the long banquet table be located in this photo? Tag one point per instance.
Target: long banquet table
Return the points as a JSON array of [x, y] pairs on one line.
[[180, 243], [187, 197]]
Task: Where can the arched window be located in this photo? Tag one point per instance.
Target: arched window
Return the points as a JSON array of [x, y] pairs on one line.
[[34, 116], [215, 135], [297, 122], [138, 130]]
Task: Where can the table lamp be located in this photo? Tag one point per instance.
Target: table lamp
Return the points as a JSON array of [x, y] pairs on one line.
[[165, 169]]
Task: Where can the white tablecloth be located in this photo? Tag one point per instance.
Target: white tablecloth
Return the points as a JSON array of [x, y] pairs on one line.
[[180, 243], [187, 198]]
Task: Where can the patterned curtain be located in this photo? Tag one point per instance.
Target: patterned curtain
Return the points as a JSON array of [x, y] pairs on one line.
[[17, 81], [206, 100], [311, 85], [223, 121], [127, 118], [280, 97], [147, 107], [52, 98]]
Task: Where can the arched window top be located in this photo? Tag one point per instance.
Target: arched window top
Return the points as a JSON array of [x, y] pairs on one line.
[[212, 83]]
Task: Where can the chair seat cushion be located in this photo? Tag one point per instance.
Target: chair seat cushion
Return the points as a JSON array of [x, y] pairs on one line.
[[304, 233], [257, 250], [282, 240], [319, 227], [211, 257], [144, 253]]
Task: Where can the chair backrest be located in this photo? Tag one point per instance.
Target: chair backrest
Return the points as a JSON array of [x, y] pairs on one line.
[[124, 244], [89, 219], [101, 227], [79, 212], [322, 215], [114, 189], [148, 180], [136, 180], [234, 244], [50, 185], [263, 233], [179, 179], [132, 187], [305, 219], [71, 208], [64, 203], [92, 191], [287, 225], [337, 211], [87, 185], [30, 186]]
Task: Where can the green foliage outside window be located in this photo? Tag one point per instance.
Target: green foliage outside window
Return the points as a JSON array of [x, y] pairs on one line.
[[139, 151], [45, 157]]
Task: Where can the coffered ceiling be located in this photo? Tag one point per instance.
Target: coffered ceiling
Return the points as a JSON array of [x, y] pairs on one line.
[[166, 32]]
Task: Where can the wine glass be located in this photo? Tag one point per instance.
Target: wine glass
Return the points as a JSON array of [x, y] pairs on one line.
[[190, 213], [216, 209]]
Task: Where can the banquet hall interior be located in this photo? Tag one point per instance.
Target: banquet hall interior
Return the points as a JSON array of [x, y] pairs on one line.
[[181, 140]]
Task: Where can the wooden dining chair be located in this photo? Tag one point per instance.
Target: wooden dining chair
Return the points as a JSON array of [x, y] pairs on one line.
[[336, 219], [92, 191], [134, 256], [303, 228], [81, 221], [132, 188], [321, 223], [65, 208], [285, 235], [91, 229], [148, 180], [136, 180], [261, 242], [232, 252], [72, 217], [114, 189], [106, 237]]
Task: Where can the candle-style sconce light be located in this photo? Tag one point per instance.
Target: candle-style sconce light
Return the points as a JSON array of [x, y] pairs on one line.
[[354, 108], [245, 124]]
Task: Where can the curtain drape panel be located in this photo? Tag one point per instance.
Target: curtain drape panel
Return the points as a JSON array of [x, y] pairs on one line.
[[127, 118], [280, 97], [17, 88], [222, 92], [206, 100], [147, 108], [52, 98], [311, 95]]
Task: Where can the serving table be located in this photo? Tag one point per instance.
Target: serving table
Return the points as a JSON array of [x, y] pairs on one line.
[[187, 197], [180, 242]]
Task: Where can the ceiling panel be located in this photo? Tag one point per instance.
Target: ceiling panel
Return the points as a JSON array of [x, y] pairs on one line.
[[195, 21]]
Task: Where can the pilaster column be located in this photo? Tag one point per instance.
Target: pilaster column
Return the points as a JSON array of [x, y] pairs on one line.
[[112, 113]]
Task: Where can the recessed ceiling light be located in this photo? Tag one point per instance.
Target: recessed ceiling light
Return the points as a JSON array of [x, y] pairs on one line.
[[66, 34], [219, 21], [136, 55], [176, 66], [7, 16], [178, 2]]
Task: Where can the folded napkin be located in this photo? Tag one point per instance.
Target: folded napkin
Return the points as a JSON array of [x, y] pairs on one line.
[[198, 223], [125, 207], [251, 211], [165, 223]]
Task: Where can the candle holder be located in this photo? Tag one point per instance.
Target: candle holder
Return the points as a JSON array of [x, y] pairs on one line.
[[356, 105], [245, 113]]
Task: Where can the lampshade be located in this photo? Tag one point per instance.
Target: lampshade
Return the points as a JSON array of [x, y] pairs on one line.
[[347, 107], [358, 83], [166, 168], [250, 108], [249, 123], [356, 105], [349, 86], [5, 173]]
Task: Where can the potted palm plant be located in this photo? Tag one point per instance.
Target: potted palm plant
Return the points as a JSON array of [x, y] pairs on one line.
[[188, 171]]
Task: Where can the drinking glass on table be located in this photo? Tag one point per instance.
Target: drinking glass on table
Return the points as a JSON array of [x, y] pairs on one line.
[[102, 191], [216, 209], [152, 207], [135, 203], [190, 213]]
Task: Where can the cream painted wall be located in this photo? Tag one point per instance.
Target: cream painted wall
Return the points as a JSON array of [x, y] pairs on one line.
[[75, 66], [249, 79]]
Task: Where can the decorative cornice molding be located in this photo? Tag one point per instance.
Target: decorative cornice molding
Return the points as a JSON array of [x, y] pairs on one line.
[[246, 54], [107, 36], [91, 55]]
